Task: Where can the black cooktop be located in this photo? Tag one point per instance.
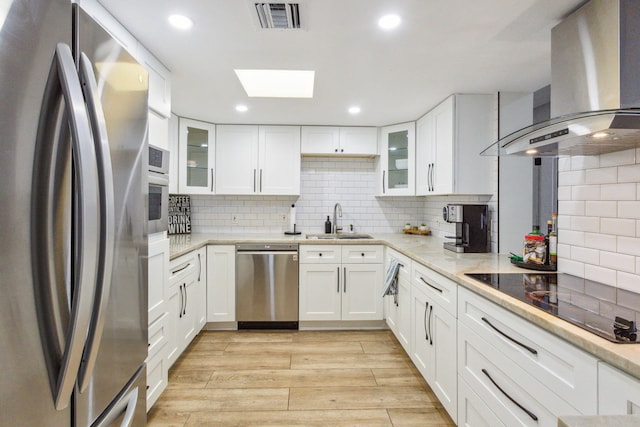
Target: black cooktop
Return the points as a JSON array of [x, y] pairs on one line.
[[604, 310]]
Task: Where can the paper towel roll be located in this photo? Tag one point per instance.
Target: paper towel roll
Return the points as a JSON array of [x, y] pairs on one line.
[[292, 218]]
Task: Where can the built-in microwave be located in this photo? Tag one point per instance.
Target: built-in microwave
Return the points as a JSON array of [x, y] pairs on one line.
[[158, 189]]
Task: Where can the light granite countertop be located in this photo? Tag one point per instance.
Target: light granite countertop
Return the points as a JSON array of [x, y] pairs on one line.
[[428, 250]]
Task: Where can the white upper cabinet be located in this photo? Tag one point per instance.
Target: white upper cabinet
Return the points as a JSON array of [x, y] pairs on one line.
[[340, 141], [196, 157], [396, 168], [258, 160], [159, 82], [449, 141]]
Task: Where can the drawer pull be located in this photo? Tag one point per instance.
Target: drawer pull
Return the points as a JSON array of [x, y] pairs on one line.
[[430, 285], [320, 254], [526, 347], [181, 268], [526, 411], [362, 254]]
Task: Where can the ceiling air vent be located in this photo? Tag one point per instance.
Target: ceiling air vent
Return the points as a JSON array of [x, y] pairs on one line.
[[279, 16]]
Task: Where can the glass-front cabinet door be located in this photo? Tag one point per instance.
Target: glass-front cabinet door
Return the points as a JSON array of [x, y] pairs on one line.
[[397, 160], [196, 157]]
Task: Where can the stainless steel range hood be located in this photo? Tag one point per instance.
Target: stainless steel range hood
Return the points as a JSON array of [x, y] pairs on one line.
[[595, 85]]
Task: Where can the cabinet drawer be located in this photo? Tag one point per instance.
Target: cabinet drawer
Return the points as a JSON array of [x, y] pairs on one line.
[[181, 267], [563, 368], [320, 254], [515, 396], [618, 393], [362, 254], [157, 335], [157, 376], [438, 288], [472, 411], [405, 264]]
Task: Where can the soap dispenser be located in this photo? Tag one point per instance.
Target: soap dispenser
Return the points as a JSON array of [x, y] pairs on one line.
[[327, 225]]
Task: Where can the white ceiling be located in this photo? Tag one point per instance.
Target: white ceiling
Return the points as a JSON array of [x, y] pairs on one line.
[[441, 47]]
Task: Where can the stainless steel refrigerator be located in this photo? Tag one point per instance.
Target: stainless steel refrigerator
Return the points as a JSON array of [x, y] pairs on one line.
[[73, 277]]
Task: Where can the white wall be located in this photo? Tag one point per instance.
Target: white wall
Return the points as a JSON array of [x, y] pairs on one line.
[[599, 218]]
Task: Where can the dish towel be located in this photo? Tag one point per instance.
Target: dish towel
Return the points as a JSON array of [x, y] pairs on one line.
[[391, 281]]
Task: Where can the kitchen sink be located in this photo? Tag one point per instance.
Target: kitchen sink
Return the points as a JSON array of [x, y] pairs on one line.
[[339, 236]]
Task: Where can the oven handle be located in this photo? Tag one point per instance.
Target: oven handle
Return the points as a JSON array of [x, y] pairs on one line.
[[158, 179]]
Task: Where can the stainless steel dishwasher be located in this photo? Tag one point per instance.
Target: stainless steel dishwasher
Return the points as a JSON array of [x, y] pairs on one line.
[[267, 286]]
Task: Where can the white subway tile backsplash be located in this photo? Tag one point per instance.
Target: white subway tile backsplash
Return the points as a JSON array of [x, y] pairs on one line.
[[572, 178], [571, 207], [638, 228], [630, 282], [600, 209], [564, 163], [600, 274], [629, 245], [629, 173], [618, 226], [629, 209], [618, 158], [564, 251], [564, 222], [571, 237], [626, 191], [585, 162], [564, 193], [603, 242], [571, 267], [618, 261], [602, 176], [585, 223], [587, 256], [585, 192]]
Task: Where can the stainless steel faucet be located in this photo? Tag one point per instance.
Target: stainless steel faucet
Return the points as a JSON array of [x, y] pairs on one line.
[[337, 212]]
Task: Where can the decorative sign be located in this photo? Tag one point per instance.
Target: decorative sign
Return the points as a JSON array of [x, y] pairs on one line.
[[179, 214]]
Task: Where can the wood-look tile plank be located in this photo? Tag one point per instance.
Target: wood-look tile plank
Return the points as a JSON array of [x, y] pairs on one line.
[[366, 418], [347, 361], [423, 417], [396, 377], [342, 336], [376, 347], [208, 346], [184, 378], [158, 417], [291, 378], [246, 399], [331, 398], [234, 361], [295, 348]]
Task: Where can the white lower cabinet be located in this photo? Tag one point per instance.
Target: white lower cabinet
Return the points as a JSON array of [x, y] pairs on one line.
[[433, 335], [186, 293], [398, 307], [472, 410], [349, 289], [618, 393], [157, 363], [221, 283], [525, 375]]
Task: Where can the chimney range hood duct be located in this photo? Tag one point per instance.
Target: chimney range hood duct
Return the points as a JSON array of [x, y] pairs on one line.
[[595, 85]]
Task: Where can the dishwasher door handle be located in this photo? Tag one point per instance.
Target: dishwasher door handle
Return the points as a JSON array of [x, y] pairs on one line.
[[267, 253]]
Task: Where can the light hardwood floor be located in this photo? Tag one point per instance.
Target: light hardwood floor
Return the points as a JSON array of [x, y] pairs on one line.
[[296, 378]]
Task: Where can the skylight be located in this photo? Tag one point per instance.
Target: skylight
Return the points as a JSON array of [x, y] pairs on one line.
[[277, 83]]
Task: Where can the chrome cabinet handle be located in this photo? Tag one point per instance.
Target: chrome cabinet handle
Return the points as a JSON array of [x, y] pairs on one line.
[[383, 176], [433, 171], [430, 285], [337, 278], [181, 268], [64, 343], [254, 180], [525, 410], [261, 180], [211, 179], [107, 219], [513, 340]]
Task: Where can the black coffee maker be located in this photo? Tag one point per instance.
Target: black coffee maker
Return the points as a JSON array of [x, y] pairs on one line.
[[472, 230]]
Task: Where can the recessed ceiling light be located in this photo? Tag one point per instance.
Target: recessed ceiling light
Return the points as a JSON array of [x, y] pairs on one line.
[[354, 110], [389, 22], [277, 83], [180, 22], [242, 108]]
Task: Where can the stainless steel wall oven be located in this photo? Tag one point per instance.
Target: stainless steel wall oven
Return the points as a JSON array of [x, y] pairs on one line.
[[158, 189]]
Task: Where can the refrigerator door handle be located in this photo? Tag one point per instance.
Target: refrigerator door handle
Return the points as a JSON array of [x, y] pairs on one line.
[[107, 218], [65, 354]]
